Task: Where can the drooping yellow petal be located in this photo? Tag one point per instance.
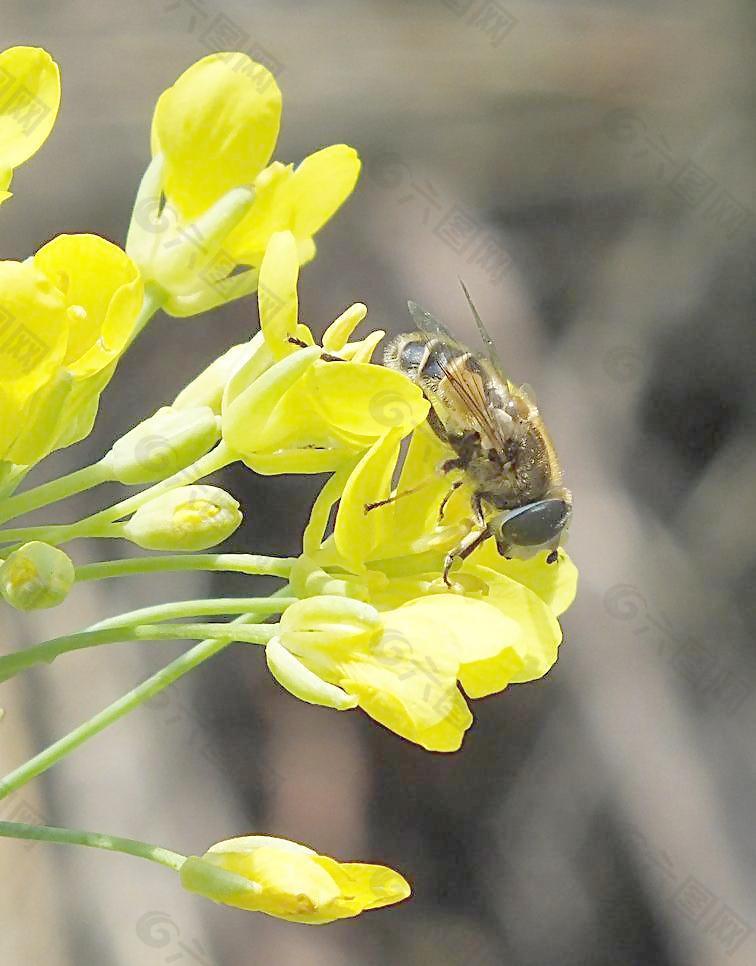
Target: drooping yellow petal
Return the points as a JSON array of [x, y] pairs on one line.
[[539, 632], [217, 127], [29, 102], [555, 583]]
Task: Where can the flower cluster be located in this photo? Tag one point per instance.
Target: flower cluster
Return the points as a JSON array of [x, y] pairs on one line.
[[366, 617]]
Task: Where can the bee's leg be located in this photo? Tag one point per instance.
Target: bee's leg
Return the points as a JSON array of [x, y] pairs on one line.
[[471, 542], [454, 487], [399, 495], [553, 557], [453, 464], [477, 508]]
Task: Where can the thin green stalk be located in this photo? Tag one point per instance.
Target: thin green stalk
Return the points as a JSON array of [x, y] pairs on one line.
[[243, 563], [12, 664], [122, 706], [197, 608], [95, 840], [55, 490]]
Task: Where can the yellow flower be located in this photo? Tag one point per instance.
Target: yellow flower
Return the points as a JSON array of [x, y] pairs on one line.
[[208, 204], [377, 627], [290, 881], [289, 410], [66, 316], [29, 101]]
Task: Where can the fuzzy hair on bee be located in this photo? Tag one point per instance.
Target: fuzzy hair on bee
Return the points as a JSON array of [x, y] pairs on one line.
[[496, 436]]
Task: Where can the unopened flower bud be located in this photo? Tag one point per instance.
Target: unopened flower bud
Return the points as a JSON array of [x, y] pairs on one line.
[[36, 576], [188, 518], [289, 881], [167, 442]]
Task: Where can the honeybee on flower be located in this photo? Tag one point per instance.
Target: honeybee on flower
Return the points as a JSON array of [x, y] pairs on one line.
[[499, 441]]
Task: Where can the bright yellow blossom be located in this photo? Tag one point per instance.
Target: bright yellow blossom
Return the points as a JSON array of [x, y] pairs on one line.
[[66, 316], [29, 101], [290, 881], [377, 626], [289, 409], [208, 204]]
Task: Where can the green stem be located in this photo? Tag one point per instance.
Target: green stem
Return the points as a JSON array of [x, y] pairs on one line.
[[262, 606], [122, 706], [12, 664], [95, 840], [98, 523], [243, 563], [55, 490]]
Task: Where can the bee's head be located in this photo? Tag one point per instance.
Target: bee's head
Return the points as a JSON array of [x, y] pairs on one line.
[[537, 526]]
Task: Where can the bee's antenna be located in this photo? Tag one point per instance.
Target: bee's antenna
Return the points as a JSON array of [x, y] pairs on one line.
[[487, 340]]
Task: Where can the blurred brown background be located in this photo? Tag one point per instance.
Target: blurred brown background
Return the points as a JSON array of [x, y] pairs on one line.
[[588, 169]]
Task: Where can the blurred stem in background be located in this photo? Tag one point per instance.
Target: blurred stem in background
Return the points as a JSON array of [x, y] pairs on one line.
[[133, 699]]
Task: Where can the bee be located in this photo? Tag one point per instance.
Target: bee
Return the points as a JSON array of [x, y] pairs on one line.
[[499, 441]]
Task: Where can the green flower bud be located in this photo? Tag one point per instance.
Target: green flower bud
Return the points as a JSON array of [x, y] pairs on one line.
[[188, 518], [162, 445], [36, 576]]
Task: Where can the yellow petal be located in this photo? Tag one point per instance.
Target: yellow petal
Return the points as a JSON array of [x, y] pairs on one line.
[[277, 293], [33, 338], [300, 201], [104, 293], [359, 531], [298, 680], [336, 335], [217, 127], [486, 640], [320, 186], [408, 681], [29, 101], [365, 886], [540, 633], [248, 410], [555, 583], [270, 212], [321, 511], [359, 399]]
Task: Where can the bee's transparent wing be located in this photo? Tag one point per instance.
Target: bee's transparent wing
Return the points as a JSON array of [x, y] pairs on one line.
[[488, 342], [428, 324], [469, 388]]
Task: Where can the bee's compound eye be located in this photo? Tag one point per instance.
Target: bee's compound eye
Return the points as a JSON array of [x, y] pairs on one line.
[[536, 524]]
